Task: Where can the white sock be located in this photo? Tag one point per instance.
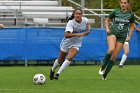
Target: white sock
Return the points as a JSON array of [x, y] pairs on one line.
[[55, 65], [124, 57], [65, 64]]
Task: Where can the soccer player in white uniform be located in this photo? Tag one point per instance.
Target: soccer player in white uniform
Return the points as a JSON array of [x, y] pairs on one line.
[[124, 57], [76, 28]]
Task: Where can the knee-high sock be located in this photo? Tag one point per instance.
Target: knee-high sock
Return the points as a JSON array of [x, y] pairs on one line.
[[105, 61], [108, 68], [55, 65], [124, 57], [65, 64]]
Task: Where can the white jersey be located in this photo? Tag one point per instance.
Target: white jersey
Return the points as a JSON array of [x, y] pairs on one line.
[[74, 27]]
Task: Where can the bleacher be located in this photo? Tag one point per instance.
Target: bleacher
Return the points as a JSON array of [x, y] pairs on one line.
[[29, 3], [32, 13]]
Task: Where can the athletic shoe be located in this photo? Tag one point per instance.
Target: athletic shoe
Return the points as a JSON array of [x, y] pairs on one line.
[[51, 74], [56, 76], [104, 78], [120, 66], [101, 72]]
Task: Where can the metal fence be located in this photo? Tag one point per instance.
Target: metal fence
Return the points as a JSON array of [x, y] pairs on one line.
[[46, 14]]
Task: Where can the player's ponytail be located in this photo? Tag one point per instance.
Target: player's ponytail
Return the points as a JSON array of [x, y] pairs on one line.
[[72, 17]]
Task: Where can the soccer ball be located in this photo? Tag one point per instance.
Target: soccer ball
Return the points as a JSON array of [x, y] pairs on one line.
[[39, 79]]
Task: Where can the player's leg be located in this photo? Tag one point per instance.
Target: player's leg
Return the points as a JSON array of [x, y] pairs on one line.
[[111, 46], [57, 62], [60, 59], [112, 59], [71, 53], [124, 57]]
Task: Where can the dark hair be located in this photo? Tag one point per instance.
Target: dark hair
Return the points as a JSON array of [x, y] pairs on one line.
[[72, 16]]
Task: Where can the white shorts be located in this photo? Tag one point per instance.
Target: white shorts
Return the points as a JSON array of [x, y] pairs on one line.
[[127, 43], [67, 49], [113, 35]]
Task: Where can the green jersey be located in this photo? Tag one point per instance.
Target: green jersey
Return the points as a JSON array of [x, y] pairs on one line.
[[121, 22]]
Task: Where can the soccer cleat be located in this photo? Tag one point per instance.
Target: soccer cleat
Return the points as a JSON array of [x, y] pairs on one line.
[[104, 78], [51, 74], [120, 66], [101, 72], [56, 76]]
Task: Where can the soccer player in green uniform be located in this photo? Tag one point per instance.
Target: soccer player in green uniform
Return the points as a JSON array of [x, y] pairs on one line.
[[122, 20]]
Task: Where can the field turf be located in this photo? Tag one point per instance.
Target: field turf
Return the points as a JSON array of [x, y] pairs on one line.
[[75, 79]]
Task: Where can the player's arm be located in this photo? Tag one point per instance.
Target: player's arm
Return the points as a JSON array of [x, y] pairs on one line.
[[69, 30], [131, 29], [88, 29], [107, 22], [68, 34]]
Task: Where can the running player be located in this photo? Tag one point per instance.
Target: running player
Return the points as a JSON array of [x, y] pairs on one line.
[[126, 49], [124, 57], [76, 28], [123, 19]]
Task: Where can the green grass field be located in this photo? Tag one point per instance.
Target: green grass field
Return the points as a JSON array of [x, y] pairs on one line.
[[75, 79]]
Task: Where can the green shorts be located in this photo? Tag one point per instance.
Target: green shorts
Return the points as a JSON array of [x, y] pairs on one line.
[[119, 39]]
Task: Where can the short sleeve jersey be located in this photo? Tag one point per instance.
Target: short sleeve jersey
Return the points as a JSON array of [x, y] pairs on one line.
[[74, 27], [121, 22]]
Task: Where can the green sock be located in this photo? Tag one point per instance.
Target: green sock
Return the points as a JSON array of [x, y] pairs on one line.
[[108, 68], [105, 61]]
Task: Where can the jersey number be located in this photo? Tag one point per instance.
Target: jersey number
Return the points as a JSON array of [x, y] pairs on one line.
[[120, 27]]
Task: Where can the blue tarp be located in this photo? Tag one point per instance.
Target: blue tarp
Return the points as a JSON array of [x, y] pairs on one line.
[[43, 44]]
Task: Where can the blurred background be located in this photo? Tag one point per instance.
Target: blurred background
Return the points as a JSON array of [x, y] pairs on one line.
[[34, 29]]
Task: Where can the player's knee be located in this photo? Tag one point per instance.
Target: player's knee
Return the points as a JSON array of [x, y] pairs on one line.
[[110, 51], [113, 57], [61, 60], [69, 58]]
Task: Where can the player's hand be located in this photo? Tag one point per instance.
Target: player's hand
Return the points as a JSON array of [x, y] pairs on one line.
[[108, 32], [80, 34], [86, 33], [127, 39], [1, 26]]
